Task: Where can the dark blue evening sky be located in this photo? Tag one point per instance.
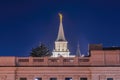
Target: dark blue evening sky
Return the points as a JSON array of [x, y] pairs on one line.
[[26, 23]]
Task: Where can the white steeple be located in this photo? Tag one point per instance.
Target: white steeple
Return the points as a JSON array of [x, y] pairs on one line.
[[60, 36], [61, 48]]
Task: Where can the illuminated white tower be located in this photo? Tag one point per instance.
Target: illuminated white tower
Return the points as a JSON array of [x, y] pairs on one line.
[[61, 48]]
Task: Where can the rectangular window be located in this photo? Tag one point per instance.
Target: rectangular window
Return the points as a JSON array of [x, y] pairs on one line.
[[109, 78], [68, 60], [69, 78], [38, 60], [23, 78], [23, 60], [83, 60], [83, 78], [53, 60], [38, 78], [53, 78]]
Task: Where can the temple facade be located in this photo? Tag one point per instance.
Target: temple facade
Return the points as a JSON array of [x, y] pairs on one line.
[[101, 63]]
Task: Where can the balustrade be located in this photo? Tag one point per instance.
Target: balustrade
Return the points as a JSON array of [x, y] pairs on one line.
[[51, 61]]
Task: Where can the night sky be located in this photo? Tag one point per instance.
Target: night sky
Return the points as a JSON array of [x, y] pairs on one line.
[[24, 24]]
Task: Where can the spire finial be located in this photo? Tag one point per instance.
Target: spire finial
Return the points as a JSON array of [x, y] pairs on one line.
[[60, 15]]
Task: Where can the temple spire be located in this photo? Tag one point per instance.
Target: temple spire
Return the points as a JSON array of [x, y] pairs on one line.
[[61, 47], [78, 53], [61, 36]]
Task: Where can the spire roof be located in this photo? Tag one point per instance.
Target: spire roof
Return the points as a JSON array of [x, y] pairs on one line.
[[78, 53], [61, 36]]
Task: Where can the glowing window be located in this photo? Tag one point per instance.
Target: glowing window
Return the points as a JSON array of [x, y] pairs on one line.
[[38, 78], [69, 78]]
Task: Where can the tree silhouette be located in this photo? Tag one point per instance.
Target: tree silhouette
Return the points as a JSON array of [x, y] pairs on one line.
[[40, 51]]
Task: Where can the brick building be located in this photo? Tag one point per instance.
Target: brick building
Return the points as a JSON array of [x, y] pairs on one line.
[[101, 64]]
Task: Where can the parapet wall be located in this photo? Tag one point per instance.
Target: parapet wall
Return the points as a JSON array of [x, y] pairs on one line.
[[97, 58], [7, 61], [105, 57]]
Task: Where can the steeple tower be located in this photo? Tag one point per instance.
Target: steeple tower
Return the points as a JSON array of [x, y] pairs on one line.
[[61, 48], [61, 36]]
